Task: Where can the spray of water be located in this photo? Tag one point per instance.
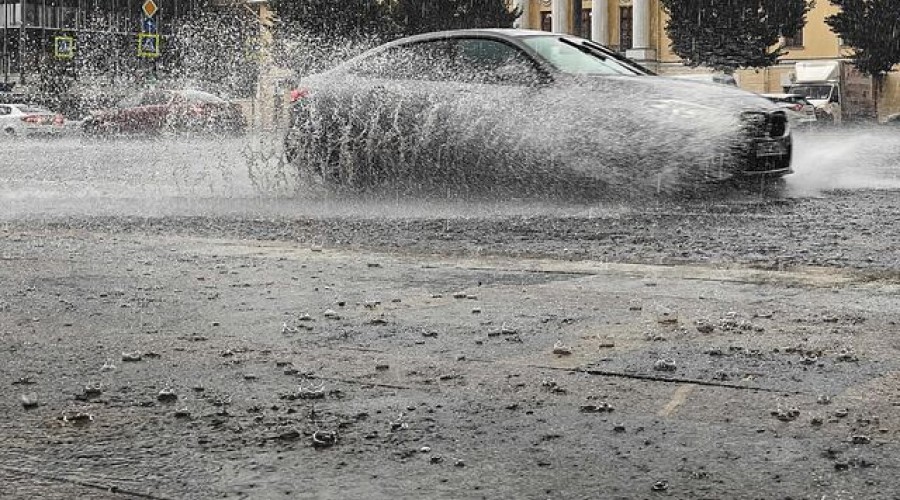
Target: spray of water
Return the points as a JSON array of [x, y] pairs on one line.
[[500, 140], [847, 158], [596, 141]]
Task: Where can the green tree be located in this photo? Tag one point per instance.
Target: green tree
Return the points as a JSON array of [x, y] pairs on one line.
[[732, 34], [311, 35], [422, 16], [872, 29], [215, 48]]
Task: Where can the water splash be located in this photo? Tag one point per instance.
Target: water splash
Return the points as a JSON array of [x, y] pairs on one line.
[[847, 158]]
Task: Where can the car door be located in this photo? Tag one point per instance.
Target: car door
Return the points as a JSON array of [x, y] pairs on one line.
[[152, 113], [124, 115], [498, 87], [373, 119]]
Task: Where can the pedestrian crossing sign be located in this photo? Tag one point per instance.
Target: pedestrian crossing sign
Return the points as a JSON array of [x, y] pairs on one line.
[[148, 45], [64, 47]]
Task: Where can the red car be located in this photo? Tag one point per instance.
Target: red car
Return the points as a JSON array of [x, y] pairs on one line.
[[156, 111]]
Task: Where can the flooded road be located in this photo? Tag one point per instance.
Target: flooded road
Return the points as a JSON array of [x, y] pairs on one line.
[[186, 319], [222, 175]]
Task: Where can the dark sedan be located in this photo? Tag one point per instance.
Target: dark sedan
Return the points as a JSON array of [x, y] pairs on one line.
[[156, 111], [486, 106]]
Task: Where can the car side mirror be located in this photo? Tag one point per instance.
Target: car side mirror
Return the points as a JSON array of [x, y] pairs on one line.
[[518, 73]]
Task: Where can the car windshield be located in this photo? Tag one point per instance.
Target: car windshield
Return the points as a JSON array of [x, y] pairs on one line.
[[818, 92], [574, 56]]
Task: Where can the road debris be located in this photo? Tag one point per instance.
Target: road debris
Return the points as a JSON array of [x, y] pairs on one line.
[[660, 486], [132, 357], [665, 365], [561, 349], [324, 439], [167, 395], [601, 407], [29, 400]]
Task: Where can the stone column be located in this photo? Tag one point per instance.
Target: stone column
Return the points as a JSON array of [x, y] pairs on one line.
[[600, 22], [560, 12], [641, 32], [524, 20]]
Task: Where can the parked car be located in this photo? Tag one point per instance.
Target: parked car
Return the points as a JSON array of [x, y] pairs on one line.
[[461, 106], [717, 78], [156, 111], [799, 110], [892, 120], [29, 120]]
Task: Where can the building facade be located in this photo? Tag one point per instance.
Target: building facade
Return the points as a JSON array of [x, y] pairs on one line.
[[104, 34], [637, 28], [206, 44]]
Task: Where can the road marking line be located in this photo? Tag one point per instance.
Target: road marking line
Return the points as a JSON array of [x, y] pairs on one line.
[[678, 399]]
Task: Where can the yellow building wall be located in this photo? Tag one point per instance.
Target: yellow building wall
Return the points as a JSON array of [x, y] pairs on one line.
[[819, 42], [889, 103]]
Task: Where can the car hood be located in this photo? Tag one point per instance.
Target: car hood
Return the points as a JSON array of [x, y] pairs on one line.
[[673, 92]]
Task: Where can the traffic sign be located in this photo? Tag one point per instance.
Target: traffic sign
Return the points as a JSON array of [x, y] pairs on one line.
[[149, 8], [64, 47], [148, 45], [148, 25]]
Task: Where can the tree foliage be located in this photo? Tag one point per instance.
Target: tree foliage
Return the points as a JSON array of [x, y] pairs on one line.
[[340, 19], [311, 35], [215, 48], [732, 34], [422, 16], [872, 29]]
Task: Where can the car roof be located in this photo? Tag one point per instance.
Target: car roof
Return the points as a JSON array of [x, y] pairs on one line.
[[510, 34], [507, 33], [781, 96], [500, 32], [20, 105]]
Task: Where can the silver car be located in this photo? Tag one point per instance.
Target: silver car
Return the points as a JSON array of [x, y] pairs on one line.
[[27, 120], [799, 110], [490, 107]]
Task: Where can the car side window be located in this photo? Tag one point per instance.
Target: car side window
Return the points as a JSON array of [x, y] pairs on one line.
[[481, 60], [155, 99], [130, 102], [416, 61]]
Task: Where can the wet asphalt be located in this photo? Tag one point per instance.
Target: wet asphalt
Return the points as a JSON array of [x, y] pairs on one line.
[[180, 321]]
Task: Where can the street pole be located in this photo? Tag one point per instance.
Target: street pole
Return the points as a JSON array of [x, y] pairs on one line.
[[6, 7], [22, 43]]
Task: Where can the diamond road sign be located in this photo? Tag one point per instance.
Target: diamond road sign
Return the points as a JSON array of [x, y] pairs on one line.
[[149, 8]]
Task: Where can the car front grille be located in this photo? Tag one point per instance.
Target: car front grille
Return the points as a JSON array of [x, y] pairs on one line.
[[762, 125]]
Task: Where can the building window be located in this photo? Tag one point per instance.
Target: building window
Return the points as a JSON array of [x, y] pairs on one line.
[[31, 15], [587, 17], [546, 21], [626, 17], [795, 40], [11, 14]]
